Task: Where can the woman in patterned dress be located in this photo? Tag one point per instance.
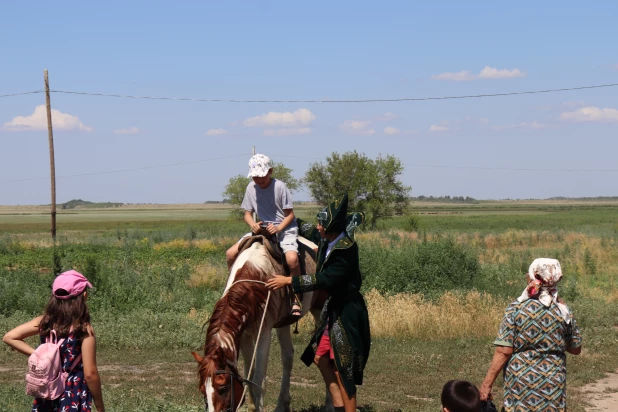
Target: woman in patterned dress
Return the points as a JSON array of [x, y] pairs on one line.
[[67, 314], [340, 345], [536, 332]]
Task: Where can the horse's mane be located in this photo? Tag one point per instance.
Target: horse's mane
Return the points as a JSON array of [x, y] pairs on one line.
[[242, 305]]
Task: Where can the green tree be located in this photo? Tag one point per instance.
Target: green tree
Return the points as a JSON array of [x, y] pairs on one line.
[[235, 189], [373, 186]]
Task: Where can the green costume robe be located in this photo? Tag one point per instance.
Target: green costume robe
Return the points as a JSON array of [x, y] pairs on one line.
[[344, 312]]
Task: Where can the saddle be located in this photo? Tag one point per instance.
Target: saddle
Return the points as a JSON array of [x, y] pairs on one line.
[[272, 247], [277, 254]]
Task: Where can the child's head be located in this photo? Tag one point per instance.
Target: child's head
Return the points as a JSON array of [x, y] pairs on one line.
[[260, 170], [67, 305], [69, 284], [460, 396]]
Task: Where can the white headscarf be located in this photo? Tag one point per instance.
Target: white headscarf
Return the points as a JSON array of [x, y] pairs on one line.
[[544, 274]]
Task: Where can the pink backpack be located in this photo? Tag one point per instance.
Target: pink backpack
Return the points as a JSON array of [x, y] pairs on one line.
[[45, 378]]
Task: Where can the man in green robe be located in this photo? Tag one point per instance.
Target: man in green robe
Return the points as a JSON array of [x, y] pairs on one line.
[[340, 345]]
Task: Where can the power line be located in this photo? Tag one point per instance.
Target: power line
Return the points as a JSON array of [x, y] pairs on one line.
[[513, 169], [479, 167], [315, 158], [402, 99], [128, 170], [22, 93]]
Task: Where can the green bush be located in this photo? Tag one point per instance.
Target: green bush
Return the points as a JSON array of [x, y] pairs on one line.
[[429, 267], [23, 290], [411, 222]]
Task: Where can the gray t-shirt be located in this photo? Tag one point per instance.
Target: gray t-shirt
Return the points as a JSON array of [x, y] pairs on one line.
[[269, 203]]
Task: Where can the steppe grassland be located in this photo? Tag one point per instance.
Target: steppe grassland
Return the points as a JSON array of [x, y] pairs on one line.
[[436, 283]]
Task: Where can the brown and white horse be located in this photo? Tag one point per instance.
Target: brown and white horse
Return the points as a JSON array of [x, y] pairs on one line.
[[234, 325]]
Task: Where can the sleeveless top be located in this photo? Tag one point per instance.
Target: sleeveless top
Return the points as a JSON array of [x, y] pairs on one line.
[[77, 396]]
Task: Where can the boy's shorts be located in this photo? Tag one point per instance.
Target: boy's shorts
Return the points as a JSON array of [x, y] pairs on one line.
[[287, 239], [325, 347]]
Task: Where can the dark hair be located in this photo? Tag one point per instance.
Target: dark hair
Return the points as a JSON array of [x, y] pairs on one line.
[[61, 314], [461, 396]]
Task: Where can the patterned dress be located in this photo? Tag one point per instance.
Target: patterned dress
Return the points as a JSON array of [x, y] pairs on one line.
[[76, 397], [535, 376]]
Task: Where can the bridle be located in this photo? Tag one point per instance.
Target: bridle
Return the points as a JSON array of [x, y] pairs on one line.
[[230, 369]]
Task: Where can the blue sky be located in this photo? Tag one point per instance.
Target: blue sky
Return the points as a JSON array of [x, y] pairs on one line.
[[324, 50]]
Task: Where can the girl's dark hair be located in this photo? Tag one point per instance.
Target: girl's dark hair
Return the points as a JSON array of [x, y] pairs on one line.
[[61, 314]]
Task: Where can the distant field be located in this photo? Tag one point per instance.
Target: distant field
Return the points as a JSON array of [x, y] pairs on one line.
[[15, 219], [23, 219]]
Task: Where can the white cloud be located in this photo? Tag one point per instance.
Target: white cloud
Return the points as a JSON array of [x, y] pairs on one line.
[[127, 130], [437, 128], [300, 117], [388, 116], [484, 120], [287, 131], [216, 132], [357, 127], [486, 73], [492, 73], [391, 130], [38, 121], [615, 67], [591, 114]]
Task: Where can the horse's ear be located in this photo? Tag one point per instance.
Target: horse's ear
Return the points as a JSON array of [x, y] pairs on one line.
[[197, 357]]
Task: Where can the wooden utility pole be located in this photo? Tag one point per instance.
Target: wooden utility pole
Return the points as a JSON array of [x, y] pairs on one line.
[[52, 163]]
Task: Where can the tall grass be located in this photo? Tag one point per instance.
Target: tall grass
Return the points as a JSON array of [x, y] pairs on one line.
[[452, 316], [425, 283]]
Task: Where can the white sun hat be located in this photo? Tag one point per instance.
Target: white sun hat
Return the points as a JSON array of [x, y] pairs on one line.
[[259, 165]]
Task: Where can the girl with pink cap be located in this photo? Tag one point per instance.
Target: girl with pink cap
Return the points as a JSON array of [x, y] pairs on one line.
[[67, 317]]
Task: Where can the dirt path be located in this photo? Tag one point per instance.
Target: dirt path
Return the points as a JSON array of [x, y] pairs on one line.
[[602, 394]]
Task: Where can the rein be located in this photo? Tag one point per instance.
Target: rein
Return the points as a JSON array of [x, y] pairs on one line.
[[231, 365]]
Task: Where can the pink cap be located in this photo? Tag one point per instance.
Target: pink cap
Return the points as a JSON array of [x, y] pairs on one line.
[[73, 282]]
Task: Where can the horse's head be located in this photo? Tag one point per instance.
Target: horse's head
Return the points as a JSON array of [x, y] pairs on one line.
[[220, 383]]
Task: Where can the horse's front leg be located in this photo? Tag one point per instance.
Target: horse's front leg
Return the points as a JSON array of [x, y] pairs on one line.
[[246, 348], [258, 376], [287, 359]]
